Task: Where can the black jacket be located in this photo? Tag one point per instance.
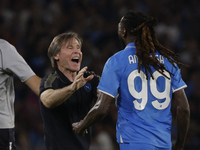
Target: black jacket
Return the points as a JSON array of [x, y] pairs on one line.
[[58, 121]]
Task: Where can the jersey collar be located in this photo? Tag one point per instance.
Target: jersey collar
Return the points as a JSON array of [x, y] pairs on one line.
[[130, 45]]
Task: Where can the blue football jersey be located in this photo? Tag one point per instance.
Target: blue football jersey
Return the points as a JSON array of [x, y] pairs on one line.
[[144, 114]]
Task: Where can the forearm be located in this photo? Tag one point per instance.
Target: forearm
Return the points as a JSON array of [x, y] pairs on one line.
[[52, 98], [96, 114], [183, 120]]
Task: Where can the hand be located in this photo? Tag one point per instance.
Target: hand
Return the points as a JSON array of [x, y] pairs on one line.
[[77, 129], [80, 80]]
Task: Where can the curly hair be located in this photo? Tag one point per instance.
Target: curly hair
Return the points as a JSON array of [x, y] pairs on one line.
[[141, 25]]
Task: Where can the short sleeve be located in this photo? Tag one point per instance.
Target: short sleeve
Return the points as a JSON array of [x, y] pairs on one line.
[[176, 80], [110, 78], [13, 63]]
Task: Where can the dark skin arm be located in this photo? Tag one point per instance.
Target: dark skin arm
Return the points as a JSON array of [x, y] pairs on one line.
[[96, 113], [181, 115]]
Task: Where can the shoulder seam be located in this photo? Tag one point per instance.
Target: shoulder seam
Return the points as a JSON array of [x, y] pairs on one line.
[[50, 79]]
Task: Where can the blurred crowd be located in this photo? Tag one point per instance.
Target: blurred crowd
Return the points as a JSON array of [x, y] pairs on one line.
[[30, 25]]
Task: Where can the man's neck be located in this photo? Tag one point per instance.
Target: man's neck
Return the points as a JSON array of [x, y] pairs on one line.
[[69, 73], [130, 39]]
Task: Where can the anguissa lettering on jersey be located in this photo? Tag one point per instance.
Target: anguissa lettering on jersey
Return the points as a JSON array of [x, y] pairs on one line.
[[134, 59]]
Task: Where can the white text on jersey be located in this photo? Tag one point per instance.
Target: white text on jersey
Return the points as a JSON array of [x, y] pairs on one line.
[[134, 59]]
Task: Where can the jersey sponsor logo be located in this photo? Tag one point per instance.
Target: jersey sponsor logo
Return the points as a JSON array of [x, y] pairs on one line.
[[87, 87]]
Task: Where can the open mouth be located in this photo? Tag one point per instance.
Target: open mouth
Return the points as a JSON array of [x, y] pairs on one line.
[[75, 59]]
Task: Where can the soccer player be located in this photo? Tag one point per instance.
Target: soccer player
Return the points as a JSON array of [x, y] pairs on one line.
[[66, 94], [12, 63], [146, 80]]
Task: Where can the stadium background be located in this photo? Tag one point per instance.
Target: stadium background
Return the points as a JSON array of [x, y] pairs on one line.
[[30, 25]]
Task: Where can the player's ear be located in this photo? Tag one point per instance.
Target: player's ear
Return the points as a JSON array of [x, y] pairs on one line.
[[124, 32], [56, 57]]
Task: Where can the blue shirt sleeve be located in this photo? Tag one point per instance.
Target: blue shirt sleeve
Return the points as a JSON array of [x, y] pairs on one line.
[[176, 80], [110, 78]]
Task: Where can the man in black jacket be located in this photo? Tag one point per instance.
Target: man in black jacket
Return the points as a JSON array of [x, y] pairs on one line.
[[66, 95]]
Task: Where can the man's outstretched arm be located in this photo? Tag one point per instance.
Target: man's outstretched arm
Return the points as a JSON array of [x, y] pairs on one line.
[[96, 113]]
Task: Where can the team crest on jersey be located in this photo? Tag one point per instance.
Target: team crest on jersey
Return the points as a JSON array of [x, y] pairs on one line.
[[87, 87]]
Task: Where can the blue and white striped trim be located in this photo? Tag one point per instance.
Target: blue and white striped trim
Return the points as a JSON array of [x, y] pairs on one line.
[[121, 140], [107, 93], [130, 46], [179, 88]]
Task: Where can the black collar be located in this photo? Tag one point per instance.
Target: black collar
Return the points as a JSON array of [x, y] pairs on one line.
[[63, 78]]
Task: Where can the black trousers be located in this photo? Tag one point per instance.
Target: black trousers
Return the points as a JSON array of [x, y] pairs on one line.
[[7, 139]]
